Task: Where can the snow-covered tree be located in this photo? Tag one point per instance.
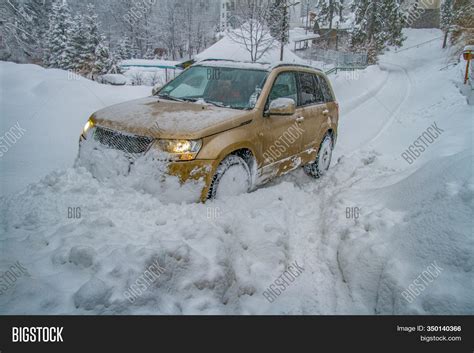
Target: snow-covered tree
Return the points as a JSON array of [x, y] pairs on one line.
[[172, 29], [57, 39], [76, 54], [150, 54], [23, 25], [251, 29], [447, 17], [462, 32], [378, 24], [103, 62], [95, 53], [123, 51], [279, 21], [327, 10]]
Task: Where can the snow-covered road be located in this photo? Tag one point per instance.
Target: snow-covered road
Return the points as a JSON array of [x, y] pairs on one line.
[[220, 257]]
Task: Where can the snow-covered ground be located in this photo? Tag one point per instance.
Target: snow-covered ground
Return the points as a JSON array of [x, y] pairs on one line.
[[220, 257]]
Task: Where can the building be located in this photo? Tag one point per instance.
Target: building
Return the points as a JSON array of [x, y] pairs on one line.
[[422, 13]]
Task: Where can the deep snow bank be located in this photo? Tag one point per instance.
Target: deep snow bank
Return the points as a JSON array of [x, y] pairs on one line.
[[52, 106]]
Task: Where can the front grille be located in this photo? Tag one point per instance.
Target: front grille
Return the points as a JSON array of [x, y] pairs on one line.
[[121, 141]]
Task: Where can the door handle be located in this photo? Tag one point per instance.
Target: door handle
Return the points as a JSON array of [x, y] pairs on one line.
[[325, 112], [300, 119]]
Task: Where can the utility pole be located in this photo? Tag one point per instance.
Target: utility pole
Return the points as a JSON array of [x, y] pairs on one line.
[[284, 23]]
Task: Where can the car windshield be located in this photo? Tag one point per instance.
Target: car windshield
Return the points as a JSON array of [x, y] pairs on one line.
[[221, 86]]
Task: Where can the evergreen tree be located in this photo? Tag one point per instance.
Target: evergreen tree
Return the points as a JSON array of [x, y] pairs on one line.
[[150, 54], [123, 51], [102, 62], [378, 24], [76, 53], [92, 38], [95, 52], [328, 9], [279, 21], [57, 38]]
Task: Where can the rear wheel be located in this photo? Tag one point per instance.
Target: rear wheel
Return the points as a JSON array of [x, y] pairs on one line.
[[320, 166], [232, 178]]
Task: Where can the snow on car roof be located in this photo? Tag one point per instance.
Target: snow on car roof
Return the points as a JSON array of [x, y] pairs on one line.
[[234, 64], [249, 65]]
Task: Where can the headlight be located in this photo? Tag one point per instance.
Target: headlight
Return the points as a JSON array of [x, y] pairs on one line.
[[87, 127], [183, 150]]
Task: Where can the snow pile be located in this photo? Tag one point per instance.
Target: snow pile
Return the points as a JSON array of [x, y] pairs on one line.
[[113, 79], [219, 257], [52, 106]]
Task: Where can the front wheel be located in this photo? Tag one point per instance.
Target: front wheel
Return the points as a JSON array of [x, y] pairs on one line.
[[232, 178], [320, 166]]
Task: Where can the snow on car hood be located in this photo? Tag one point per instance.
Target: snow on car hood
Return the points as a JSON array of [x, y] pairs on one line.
[[156, 117]]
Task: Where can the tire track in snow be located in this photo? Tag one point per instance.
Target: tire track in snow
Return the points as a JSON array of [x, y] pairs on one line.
[[327, 290], [353, 122]]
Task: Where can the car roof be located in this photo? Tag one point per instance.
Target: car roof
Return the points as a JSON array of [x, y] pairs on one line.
[[251, 65]]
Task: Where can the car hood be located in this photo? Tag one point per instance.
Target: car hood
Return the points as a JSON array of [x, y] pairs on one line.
[[161, 118]]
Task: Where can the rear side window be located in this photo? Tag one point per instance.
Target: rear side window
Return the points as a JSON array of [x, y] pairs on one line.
[[328, 97], [310, 90]]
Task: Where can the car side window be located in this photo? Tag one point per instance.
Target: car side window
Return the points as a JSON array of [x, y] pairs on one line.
[[328, 97], [318, 91], [307, 92], [284, 87], [310, 89]]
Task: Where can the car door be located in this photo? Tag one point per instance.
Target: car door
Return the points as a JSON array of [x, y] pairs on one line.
[[313, 111], [281, 135], [331, 111]]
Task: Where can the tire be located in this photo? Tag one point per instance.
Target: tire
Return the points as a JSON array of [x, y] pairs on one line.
[[226, 183], [321, 165]]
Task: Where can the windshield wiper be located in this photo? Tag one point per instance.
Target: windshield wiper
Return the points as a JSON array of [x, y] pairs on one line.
[[167, 96], [217, 104], [187, 99]]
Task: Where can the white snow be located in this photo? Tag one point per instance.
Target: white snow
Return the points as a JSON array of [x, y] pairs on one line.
[[53, 106], [228, 49], [162, 113], [220, 256], [148, 63], [113, 79]]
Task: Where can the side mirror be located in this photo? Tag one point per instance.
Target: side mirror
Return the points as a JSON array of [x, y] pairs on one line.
[[156, 89], [282, 106]]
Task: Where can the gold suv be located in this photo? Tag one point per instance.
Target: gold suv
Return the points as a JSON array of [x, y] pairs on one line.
[[225, 127]]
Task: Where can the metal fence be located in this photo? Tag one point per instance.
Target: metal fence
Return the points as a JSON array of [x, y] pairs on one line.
[[338, 58]]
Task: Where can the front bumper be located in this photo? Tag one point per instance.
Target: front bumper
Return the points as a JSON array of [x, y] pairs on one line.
[[149, 171]]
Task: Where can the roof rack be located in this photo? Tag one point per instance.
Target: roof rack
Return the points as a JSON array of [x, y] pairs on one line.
[[235, 61], [280, 64], [270, 66]]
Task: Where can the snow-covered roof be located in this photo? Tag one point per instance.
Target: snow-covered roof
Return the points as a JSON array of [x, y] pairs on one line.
[[227, 49], [308, 36], [164, 64], [300, 33]]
